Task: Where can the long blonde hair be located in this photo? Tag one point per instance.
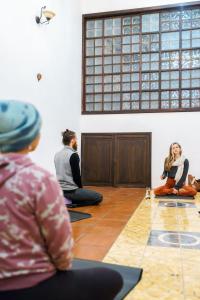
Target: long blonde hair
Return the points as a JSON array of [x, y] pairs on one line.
[[171, 158]]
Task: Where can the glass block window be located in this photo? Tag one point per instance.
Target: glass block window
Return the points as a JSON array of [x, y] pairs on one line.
[[190, 79], [170, 21], [170, 80], [170, 40], [142, 61], [150, 42]]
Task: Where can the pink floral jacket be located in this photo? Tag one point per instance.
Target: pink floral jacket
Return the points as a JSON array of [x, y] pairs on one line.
[[35, 231]]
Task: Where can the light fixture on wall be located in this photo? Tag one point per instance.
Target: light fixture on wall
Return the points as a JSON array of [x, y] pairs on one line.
[[45, 16]]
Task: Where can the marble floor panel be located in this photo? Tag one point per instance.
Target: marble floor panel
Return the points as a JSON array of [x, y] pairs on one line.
[[177, 239], [176, 204], [164, 240]]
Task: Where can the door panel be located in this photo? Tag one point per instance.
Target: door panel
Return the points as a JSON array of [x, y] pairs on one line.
[[133, 160], [116, 159], [97, 159]]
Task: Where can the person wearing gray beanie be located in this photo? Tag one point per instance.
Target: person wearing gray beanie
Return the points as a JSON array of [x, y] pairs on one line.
[[35, 231], [20, 124]]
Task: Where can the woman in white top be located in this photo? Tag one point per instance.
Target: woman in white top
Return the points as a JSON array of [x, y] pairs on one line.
[[175, 170]]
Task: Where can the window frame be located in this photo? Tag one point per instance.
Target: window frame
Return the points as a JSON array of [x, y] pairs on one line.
[[131, 12]]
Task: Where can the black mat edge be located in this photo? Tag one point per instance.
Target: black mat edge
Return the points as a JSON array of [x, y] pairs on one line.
[[85, 215], [119, 268]]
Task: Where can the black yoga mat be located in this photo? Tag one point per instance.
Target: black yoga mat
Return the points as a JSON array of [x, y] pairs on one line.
[[175, 197], [131, 276], [77, 215]]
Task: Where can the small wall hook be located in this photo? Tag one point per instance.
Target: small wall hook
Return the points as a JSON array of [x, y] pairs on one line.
[[39, 76]]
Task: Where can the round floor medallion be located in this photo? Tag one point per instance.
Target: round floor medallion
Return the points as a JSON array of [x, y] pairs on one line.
[[170, 204], [182, 239], [179, 204]]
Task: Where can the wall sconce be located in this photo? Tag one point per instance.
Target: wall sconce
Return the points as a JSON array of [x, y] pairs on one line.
[[47, 14]]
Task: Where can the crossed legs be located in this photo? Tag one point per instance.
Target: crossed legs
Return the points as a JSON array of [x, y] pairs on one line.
[[167, 189]]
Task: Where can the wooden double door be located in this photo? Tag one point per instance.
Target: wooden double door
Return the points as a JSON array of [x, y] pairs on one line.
[[116, 159]]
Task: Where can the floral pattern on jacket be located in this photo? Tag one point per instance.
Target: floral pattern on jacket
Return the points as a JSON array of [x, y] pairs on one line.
[[35, 231]]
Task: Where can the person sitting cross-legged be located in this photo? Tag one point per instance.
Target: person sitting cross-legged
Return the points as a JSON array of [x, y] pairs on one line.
[[68, 173], [175, 169]]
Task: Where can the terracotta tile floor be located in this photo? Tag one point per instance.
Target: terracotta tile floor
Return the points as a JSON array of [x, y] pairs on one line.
[[95, 236]]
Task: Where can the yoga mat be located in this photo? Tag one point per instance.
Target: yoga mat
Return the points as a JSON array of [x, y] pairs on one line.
[[77, 215], [131, 276], [175, 197]]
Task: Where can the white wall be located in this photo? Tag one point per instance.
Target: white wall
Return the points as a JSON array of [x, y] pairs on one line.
[[166, 127], [53, 50], [93, 6]]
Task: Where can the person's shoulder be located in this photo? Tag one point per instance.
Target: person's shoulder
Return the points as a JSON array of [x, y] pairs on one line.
[[75, 154], [35, 176], [40, 172], [43, 176], [58, 153], [44, 182], [71, 150]]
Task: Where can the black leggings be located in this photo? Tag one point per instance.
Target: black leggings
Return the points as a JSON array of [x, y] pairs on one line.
[[83, 197], [87, 284]]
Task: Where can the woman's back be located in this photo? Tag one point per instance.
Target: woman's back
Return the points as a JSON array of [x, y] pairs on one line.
[[30, 202]]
